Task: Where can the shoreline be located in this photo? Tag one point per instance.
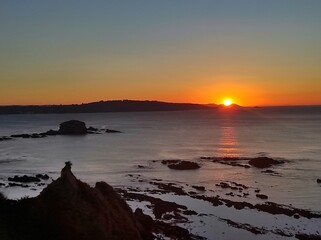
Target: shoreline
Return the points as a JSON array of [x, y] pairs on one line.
[[200, 210]]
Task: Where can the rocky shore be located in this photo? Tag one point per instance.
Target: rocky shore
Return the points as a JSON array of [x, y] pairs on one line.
[[70, 209], [155, 208]]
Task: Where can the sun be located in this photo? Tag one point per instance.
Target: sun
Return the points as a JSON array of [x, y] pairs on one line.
[[227, 102]]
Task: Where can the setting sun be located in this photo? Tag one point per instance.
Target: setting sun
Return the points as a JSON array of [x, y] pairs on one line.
[[227, 102]]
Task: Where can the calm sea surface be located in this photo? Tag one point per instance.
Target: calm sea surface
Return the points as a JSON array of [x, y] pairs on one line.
[[293, 134]]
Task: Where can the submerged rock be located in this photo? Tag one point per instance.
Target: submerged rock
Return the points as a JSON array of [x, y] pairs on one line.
[[73, 127], [70, 209], [264, 162]]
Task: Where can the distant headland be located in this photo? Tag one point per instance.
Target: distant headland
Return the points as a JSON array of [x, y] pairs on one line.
[[104, 106]]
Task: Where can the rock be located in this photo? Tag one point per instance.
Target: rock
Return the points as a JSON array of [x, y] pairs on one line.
[[70, 209], [199, 188], [51, 133], [24, 135], [184, 165], [262, 196], [145, 224], [92, 129], [223, 185], [318, 180], [304, 236], [296, 216], [264, 162], [24, 179], [42, 176], [5, 138], [73, 127], [168, 216], [165, 162], [10, 184], [2, 197], [112, 131]]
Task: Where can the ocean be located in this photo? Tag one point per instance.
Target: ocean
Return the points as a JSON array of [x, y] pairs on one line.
[[292, 134]]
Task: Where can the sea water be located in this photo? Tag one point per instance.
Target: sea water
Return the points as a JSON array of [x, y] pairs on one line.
[[292, 134]]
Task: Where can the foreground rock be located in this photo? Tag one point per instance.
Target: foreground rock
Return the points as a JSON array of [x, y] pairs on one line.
[[70, 209], [264, 162]]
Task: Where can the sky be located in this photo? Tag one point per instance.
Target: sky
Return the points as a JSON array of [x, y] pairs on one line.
[[254, 52]]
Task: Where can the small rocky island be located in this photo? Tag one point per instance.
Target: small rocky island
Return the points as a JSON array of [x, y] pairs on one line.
[[71, 127]]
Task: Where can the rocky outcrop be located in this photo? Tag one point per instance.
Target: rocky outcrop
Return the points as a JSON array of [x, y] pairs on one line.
[[184, 165], [70, 209], [73, 127], [264, 162]]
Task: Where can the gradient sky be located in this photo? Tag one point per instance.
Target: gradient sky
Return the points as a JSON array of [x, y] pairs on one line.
[[201, 51]]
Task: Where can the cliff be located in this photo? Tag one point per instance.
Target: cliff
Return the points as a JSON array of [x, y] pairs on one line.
[[70, 209]]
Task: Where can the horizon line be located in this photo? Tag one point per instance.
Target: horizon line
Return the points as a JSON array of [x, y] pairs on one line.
[[134, 100]]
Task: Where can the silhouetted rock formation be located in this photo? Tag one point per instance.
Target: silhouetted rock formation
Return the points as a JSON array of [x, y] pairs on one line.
[[264, 162], [73, 127], [69, 209]]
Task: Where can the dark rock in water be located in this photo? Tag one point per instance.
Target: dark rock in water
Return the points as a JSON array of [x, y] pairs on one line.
[[42, 176], [296, 216], [165, 162], [262, 196], [37, 135], [24, 135], [264, 162], [199, 188], [112, 131], [10, 184], [303, 236], [24, 179], [318, 180], [70, 209], [73, 127], [184, 165], [51, 133], [92, 129], [268, 171], [5, 138]]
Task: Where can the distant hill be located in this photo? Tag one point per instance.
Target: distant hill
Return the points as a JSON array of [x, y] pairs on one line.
[[104, 106]]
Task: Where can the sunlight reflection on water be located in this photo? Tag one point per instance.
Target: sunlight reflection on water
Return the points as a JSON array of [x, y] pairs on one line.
[[228, 142]]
